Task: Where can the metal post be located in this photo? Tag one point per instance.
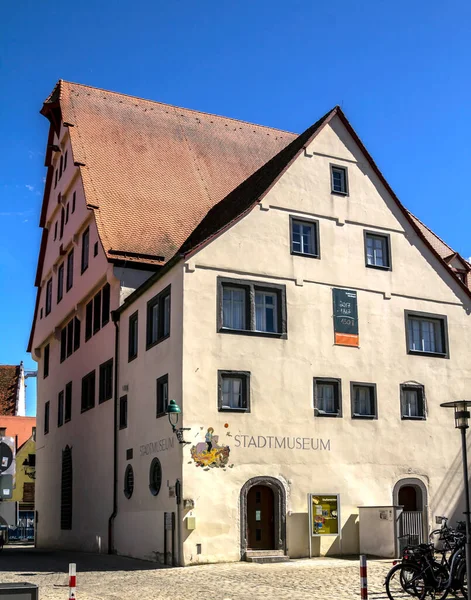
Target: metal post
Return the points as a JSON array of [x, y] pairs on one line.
[[467, 515], [363, 578]]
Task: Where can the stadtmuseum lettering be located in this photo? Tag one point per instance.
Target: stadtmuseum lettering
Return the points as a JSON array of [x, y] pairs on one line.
[[275, 442], [155, 447]]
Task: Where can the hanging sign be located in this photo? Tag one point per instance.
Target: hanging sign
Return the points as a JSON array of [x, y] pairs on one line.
[[324, 514], [345, 317]]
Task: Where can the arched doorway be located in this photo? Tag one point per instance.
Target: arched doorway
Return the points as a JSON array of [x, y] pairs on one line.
[[263, 515], [411, 495]]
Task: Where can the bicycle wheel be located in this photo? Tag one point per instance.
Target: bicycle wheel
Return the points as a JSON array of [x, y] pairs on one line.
[[404, 581], [462, 579]]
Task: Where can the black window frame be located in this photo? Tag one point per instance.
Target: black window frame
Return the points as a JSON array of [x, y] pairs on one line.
[[88, 385], [85, 250], [55, 231], [97, 312], [251, 287], [73, 202], [60, 409], [70, 337], [66, 489], [373, 399], [245, 376], [77, 333], [105, 386], [105, 304], [155, 482], [159, 401], [387, 239], [48, 303], [89, 320], [65, 162], [61, 229], [47, 414], [337, 383], [95, 249], [47, 351], [63, 348], [123, 412], [68, 402], [416, 387], [128, 481], [437, 318], [67, 209], [133, 336], [334, 167], [314, 223], [70, 271], [60, 283], [158, 300]]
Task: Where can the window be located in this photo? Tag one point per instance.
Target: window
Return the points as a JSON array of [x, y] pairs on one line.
[[65, 161], [67, 213], [66, 489], [46, 417], [70, 337], [76, 334], [61, 166], [63, 344], [234, 391], [73, 202], [427, 334], [363, 399], [88, 320], [327, 397], [60, 409], [70, 270], [61, 232], [85, 248], [133, 336], [128, 482], [251, 307], [97, 312], [3, 431], [339, 180], [412, 401], [46, 361], [95, 249], [377, 250], [55, 231], [105, 305], [162, 395], [305, 237], [158, 318], [106, 381], [55, 179], [123, 412], [88, 391], [41, 313], [48, 296], [68, 402], [60, 283], [155, 476]]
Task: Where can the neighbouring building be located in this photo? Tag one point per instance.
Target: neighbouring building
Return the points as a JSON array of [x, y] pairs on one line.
[[274, 286]]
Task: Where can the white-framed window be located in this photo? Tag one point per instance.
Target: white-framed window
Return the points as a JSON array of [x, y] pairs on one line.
[[266, 311], [327, 397], [339, 179], [377, 250], [304, 237], [427, 334], [233, 306], [234, 391]]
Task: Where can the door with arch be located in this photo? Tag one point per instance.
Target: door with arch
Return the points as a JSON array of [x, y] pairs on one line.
[[260, 518], [411, 495]]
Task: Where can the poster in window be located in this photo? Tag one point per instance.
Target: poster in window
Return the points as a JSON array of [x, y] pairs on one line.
[[324, 513], [345, 317]]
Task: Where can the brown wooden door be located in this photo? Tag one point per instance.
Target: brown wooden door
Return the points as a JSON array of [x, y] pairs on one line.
[[261, 518]]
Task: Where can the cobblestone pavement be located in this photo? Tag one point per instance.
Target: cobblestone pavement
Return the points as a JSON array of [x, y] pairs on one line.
[[102, 577]]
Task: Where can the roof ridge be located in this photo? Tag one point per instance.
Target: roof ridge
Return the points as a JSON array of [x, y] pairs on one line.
[[432, 232], [174, 106]]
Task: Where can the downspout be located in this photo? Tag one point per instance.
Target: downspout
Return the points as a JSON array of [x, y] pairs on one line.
[[111, 549]]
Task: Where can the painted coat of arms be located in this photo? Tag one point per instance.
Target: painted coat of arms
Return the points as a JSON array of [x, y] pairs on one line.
[[209, 453]]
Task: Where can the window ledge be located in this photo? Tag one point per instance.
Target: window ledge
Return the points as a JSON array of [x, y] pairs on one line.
[[160, 415], [367, 417], [151, 345], [234, 410], [339, 193], [86, 409], [251, 332], [378, 267], [103, 400], [305, 254], [431, 354], [318, 413], [406, 418], [131, 358]]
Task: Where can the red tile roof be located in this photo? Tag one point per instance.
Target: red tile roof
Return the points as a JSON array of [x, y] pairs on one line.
[[9, 382]]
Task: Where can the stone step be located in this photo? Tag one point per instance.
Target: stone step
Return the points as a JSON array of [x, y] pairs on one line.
[[266, 556]]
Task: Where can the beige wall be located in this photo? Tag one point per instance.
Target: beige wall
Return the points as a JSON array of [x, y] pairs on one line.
[[364, 459], [140, 520]]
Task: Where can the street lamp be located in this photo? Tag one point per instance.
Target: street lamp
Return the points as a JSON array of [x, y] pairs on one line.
[[173, 412], [462, 415]]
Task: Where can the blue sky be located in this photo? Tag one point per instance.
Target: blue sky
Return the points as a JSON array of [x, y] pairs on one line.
[[400, 71]]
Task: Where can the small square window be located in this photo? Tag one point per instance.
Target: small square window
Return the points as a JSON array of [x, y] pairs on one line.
[[234, 391], [123, 412], [377, 250], [412, 402], [305, 237], [339, 180], [327, 397], [363, 399], [106, 381], [162, 396], [427, 334]]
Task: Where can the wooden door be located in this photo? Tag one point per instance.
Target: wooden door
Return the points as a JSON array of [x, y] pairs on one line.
[[261, 518]]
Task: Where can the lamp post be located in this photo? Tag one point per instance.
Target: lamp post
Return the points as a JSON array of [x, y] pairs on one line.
[[173, 412], [462, 415]]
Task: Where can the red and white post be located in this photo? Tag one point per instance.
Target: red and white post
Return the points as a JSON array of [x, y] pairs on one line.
[[363, 578], [72, 580]]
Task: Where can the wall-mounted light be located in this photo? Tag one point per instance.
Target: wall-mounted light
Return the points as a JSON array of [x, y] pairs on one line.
[[173, 412]]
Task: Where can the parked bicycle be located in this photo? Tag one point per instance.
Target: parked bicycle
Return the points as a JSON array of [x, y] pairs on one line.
[[430, 572]]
